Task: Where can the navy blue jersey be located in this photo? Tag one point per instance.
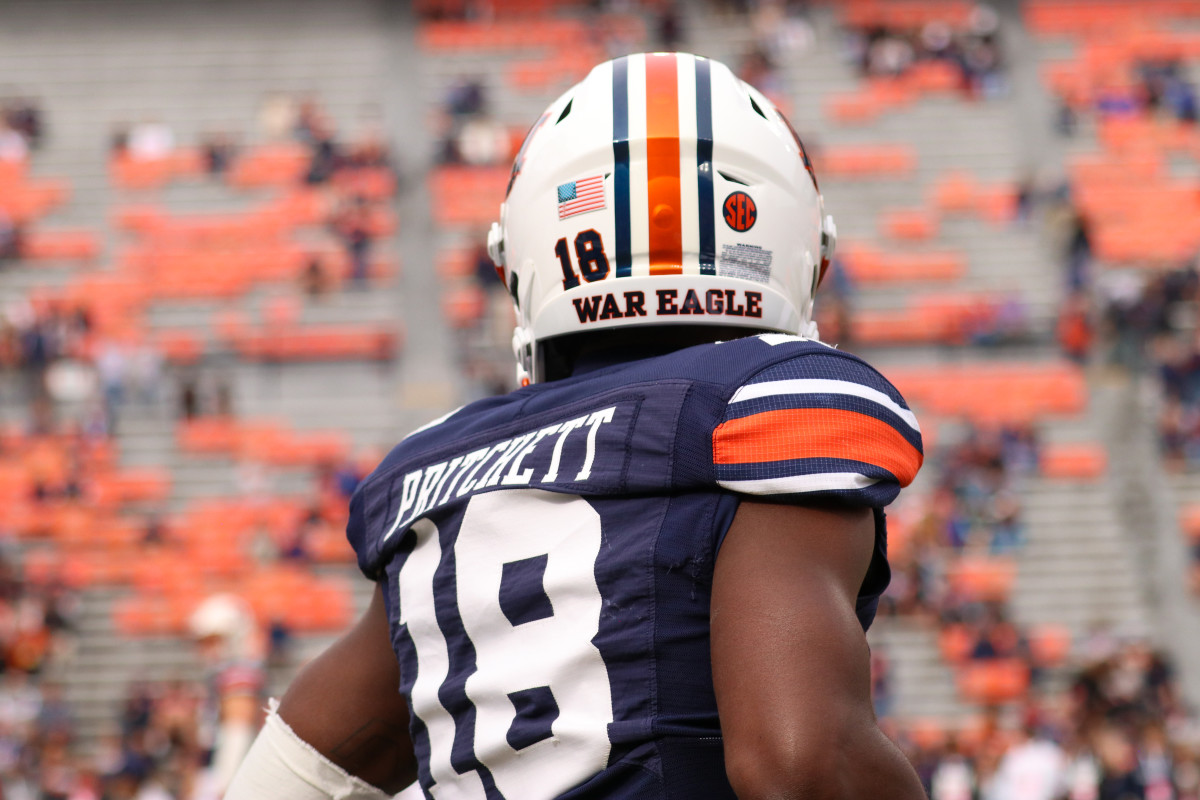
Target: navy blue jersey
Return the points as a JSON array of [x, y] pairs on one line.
[[547, 557]]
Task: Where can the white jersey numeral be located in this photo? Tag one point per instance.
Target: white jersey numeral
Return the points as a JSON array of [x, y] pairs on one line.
[[549, 657], [433, 659]]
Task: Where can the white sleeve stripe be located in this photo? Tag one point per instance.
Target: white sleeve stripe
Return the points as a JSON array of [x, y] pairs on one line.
[[795, 484], [753, 391]]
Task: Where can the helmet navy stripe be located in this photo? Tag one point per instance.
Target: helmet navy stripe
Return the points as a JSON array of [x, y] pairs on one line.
[[621, 211], [704, 167]]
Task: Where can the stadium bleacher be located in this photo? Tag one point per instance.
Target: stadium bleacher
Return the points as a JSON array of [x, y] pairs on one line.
[[223, 363]]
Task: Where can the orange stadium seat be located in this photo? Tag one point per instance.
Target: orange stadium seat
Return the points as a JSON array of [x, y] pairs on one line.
[[373, 184], [64, 245], [899, 326], [1010, 392], [1049, 644], [1189, 521], [13, 172], [909, 224], [463, 306], [982, 578], [454, 263], [467, 195], [870, 266], [129, 172], [1075, 462], [866, 161], [29, 201], [994, 682], [954, 643], [934, 76], [279, 164], [955, 191], [180, 347], [130, 485], [328, 545], [207, 435], [928, 734], [903, 13], [852, 108]]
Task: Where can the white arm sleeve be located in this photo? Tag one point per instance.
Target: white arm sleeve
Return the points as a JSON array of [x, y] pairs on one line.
[[282, 766]]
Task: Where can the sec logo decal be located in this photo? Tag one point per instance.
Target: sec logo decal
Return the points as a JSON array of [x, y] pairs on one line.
[[740, 212]]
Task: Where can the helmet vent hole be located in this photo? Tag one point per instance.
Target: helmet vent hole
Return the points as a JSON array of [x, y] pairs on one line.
[[567, 110], [754, 105], [732, 178]]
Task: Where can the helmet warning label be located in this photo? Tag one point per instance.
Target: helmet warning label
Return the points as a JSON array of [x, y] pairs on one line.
[[747, 261]]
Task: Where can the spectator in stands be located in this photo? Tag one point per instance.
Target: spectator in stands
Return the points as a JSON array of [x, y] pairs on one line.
[[888, 54], [954, 776], [757, 69], [146, 369], [218, 151], [324, 150], [1078, 257], [668, 25], [11, 238], [151, 140], [222, 395], [370, 151], [13, 145], [353, 225], [118, 141], [24, 115], [278, 115], [482, 142], [1074, 330], [466, 98], [1033, 769], [189, 397], [314, 281], [975, 50], [112, 365]]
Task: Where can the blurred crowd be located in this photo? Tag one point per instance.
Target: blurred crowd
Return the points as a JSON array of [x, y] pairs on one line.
[[974, 508], [1159, 87], [56, 368], [21, 127], [976, 50], [1118, 732]]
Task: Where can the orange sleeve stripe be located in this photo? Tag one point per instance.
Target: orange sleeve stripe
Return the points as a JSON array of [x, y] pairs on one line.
[[816, 433]]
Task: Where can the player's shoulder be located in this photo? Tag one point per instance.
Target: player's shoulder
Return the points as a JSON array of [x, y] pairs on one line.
[[771, 357], [806, 419], [456, 425]]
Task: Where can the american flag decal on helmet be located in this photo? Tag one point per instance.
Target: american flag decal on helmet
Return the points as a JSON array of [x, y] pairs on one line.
[[576, 197]]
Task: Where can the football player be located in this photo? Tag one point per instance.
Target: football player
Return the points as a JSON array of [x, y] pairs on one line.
[[648, 572]]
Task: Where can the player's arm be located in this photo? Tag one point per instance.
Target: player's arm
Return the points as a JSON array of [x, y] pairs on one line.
[[791, 666], [342, 726]]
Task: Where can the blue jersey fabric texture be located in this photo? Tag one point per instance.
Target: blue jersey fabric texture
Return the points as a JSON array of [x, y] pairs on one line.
[[653, 457]]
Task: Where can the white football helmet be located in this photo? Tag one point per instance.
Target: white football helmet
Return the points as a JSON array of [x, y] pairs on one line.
[[660, 190]]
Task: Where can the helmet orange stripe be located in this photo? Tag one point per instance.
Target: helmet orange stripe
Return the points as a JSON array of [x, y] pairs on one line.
[[662, 159]]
